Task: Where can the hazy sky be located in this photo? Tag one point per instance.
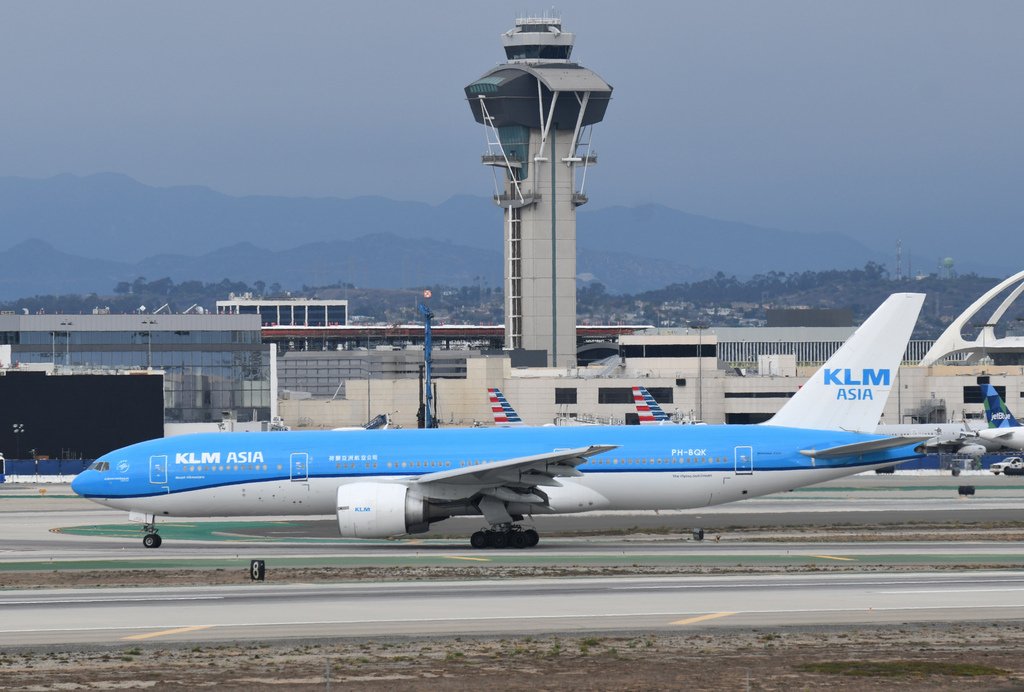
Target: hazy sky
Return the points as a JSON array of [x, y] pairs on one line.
[[874, 118]]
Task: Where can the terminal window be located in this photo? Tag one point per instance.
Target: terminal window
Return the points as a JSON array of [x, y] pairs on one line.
[[565, 395]]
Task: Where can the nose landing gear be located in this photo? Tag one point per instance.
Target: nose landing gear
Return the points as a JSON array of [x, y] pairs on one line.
[[151, 539]]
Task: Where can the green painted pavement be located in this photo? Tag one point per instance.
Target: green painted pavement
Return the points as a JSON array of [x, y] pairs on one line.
[[221, 531]]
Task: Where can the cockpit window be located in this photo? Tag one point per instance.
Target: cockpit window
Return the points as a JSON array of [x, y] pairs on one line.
[[99, 466]]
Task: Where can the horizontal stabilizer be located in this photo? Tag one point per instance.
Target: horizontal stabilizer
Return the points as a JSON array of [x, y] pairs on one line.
[[859, 448]]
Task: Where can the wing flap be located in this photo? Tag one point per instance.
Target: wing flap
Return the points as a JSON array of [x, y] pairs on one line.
[[858, 448], [541, 467]]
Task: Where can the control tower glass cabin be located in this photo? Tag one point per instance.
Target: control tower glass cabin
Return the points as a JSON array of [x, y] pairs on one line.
[[537, 108]]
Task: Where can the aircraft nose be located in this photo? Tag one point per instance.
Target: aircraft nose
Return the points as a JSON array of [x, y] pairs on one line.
[[80, 483]]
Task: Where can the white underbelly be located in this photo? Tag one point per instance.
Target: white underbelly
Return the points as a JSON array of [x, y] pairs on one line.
[[313, 497]]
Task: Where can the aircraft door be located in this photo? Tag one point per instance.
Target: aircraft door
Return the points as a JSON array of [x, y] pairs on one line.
[[299, 464], [158, 469], [744, 457]]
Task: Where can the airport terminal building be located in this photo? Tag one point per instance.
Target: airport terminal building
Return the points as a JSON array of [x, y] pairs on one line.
[[693, 374], [214, 366], [716, 375]]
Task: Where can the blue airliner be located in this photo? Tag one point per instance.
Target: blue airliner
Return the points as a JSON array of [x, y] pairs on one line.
[[393, 482]]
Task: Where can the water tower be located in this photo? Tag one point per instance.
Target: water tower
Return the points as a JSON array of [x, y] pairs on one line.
[[537, 109]]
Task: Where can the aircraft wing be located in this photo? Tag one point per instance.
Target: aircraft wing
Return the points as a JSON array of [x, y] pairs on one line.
[[537, 469], [945, 446], [858, 448]]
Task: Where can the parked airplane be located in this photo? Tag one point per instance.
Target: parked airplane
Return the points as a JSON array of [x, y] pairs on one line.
[[392, 482], [504, 414], [943, 438], [1003, 427], [648, 410]]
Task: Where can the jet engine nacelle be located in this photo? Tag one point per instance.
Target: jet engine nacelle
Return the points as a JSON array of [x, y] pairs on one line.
[[380, 510], [972, 450]]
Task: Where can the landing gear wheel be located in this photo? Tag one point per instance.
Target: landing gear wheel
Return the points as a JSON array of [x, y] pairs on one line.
[[518, 539], [152, 540], [498, 539], [478, 540], [532, 538]]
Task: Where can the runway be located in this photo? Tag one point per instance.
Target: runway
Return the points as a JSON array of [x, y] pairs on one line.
[[55, 529], [267, 612], [890, 578]]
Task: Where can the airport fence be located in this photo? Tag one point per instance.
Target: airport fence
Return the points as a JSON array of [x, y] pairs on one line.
[[42, 470]]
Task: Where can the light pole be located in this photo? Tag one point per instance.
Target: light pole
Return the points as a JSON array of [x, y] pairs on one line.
[[18, 429]]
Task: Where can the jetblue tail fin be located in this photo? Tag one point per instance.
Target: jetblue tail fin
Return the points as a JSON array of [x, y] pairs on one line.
[[647, 408], [996, 413], [849, 391], [504, 414]]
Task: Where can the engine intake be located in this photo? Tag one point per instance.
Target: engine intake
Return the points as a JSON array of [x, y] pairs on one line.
[[380, 510]]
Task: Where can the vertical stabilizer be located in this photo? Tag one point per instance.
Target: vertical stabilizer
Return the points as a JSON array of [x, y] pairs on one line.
[[504, 414], [648, 410], [996, 413], [850, 390]]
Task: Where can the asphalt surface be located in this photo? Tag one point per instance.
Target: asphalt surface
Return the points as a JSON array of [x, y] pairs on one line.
[[50, 529], [271, 612]]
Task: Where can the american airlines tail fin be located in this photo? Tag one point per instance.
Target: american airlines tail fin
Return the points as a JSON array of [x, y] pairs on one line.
[[647, 408], [996, 413], [849, 391], [504, 414]]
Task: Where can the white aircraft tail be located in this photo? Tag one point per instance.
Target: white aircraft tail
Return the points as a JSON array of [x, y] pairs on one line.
[[849, 391]]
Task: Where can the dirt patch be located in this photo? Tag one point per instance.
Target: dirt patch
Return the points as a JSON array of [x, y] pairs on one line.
[[916, 657]]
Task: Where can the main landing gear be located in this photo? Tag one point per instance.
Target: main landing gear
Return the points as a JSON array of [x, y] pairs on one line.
[[505, 536], [151, 539]]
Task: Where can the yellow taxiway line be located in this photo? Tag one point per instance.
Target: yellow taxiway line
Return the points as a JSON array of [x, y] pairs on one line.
[[164, 633], [701, 618]]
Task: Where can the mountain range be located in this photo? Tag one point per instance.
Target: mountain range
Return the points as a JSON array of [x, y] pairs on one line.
[[72, 234]]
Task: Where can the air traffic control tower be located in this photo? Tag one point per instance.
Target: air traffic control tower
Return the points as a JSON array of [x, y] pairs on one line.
[[537, 110]]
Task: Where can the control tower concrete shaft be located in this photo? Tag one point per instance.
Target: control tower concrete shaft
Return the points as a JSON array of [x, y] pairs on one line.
[[537, 109]]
